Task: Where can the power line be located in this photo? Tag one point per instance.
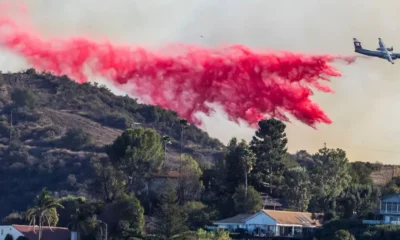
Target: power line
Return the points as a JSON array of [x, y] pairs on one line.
[[367, 149]]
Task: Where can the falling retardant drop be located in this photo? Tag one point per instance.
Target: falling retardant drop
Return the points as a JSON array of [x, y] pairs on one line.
[[249, 85]]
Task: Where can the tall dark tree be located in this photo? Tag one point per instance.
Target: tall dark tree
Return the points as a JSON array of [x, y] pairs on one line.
[[239, 162], [269, 145], [296, 188], [171, 218]]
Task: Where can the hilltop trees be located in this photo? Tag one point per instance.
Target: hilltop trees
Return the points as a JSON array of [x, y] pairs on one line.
[[137, 153]]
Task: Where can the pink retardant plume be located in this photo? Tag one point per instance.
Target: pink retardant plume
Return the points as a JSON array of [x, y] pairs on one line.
[[249, 85]]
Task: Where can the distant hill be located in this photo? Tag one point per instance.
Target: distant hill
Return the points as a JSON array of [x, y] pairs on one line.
[[51, 126]]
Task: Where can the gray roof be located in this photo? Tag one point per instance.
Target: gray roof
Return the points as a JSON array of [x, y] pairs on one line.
[[240, 218]]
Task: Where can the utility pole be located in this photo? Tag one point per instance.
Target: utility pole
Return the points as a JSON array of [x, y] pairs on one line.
[[11, 127], [324, 144], [105, 224]]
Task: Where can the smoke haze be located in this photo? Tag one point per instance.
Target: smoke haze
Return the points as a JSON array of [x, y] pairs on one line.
[[363, 108]]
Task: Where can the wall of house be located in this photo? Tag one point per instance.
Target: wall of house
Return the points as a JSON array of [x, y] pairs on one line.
[[394, 198], [8, 229], [261, 218]]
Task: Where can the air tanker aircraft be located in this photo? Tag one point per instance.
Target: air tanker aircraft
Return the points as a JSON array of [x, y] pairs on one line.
[[382, 51]]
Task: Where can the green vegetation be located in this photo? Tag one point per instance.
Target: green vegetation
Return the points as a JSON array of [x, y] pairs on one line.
[[76, 152]]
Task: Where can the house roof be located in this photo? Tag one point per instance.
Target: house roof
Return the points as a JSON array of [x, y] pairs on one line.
[[293, 218], [269, 201], [48, 233], [389, 196], [168, 174], [240, 218]]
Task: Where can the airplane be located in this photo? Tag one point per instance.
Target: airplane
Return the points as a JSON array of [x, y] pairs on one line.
[[382, 51]]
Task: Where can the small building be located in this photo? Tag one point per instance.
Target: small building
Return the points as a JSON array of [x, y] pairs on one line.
[[273, 203], [31, 232], [389, 210], [268, 223]]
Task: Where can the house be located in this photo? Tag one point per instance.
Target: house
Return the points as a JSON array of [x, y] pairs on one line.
[[272, 203], [389, 210], [272, 223], [30, 232], [150, 225]]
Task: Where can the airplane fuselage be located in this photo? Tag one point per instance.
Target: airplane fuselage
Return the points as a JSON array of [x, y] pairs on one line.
[[380, 54]]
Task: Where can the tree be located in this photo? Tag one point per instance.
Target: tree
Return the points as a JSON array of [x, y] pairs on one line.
[[219, 234], [251, 204], [330, 176], [297, 188], [109, 182], [359, 199], [43, 210], [24, 98], [343, 235], [76, 139], [361, 173], [239, 162], [166, 141], [125, 217], [199, 215], [138, 153], [78, 223], [190, 185], [171, 219], [269, 145], [183, 125]]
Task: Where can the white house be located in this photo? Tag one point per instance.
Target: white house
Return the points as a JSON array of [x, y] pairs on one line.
[[389, 210], [31, 232], [272, 223]]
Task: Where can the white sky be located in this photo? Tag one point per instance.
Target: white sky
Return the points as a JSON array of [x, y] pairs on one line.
[[365, 108]]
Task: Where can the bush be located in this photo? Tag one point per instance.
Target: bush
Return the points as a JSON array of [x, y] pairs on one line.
[[23, 98], [9, 237], [343, 235], [22, 238], [75, 139]]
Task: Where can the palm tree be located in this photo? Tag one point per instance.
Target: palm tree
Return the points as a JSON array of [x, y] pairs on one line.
[[78, 223], [248, 159], [44, 211], [166, 140], [184, 124]]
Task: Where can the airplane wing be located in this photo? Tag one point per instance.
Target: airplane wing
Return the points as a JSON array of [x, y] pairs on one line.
[[381, 44]]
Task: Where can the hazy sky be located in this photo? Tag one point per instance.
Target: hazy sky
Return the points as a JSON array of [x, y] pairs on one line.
[[366, 106]]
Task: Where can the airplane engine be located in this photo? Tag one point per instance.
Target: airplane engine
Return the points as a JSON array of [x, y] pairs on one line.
[[389, 49]]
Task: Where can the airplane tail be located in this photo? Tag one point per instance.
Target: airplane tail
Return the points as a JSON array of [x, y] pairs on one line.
[[357, 44]]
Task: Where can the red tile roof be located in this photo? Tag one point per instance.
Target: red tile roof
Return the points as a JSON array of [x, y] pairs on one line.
[[53, 233], [293, 218], [168, 174]]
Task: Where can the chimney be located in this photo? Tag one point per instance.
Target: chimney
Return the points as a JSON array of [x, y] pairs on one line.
[[74, 236]]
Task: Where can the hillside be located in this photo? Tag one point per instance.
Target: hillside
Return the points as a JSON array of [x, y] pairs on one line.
[[51, 127]]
